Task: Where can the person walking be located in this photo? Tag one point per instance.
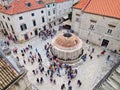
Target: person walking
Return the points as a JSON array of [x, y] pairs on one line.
[[37, 80], [69, 82], [41, 80], [36, 50], [93, 50], [54, 81], [108, 57], [70, 88], [79, 83], [62, 86], [84, 57]]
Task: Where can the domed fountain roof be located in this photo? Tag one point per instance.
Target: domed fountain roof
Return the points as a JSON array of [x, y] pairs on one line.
[[67, 40]]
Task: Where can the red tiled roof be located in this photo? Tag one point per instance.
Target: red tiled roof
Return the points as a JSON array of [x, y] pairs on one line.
[[58, 1], [19, 6], [109, 8], [80, 4], [48, 1]]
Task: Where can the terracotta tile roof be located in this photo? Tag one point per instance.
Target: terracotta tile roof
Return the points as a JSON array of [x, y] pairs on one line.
[[104, 7], [19, 6], [7, 74], [109, 8], [80, 4], [58, 1], [48, 1]]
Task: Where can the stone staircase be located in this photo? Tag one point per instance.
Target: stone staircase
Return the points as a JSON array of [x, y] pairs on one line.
[[113, 81]]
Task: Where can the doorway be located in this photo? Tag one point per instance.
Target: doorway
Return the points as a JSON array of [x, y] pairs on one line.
[[36, 32], [26, 36], [44, 27], [105, 43]]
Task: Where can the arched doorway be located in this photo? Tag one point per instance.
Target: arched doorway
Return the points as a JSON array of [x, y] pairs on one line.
[[36, 32]]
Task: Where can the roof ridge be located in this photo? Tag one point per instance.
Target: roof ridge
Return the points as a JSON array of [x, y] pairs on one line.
[[88, 2]]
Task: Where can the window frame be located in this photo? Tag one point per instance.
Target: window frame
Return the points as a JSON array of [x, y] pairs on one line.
[[54, 11], [48, 13], [23, 27], [32, 14], [109, 31], [43, 19], [92, 27], [77, 19], [20, 18], [42, 11], [8, 18], [34, 23]]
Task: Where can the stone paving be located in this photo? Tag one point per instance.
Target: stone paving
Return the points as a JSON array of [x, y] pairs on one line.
[[89, 72]]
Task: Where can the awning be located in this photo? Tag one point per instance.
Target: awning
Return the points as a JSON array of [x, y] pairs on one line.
[[68, 22], [65, 17]]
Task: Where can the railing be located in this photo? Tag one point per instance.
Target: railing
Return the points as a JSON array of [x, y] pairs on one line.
[[106, 76]]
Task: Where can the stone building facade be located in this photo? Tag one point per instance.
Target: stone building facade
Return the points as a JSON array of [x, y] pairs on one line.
[[24, 19], [99, 27]]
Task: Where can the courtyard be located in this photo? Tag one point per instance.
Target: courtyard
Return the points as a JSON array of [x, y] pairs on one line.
[[89, 73]]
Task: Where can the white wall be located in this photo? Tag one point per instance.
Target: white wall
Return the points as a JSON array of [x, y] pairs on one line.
[[63, 8], [52, 16], [76, 25], [27, 19]]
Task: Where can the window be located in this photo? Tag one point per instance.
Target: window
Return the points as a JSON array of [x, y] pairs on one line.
[[20, 18], [109, 31], [91, 27], [34, 23], [11, 27], [8, 18], [93, 21], [23, 27], [42, 11], [32, 14], [53, 4], [2, 24], [53, 11], [77, 14], [48, 6], [7, 25], [43, 20], [48, 13], [4, 17], [112, 25], [77, 19]]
